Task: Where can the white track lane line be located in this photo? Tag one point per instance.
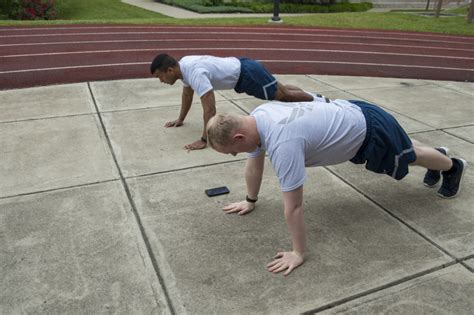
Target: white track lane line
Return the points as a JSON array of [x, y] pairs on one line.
[[242, 33], [231, 40], [318, 30], [353, 52], [267, 61]]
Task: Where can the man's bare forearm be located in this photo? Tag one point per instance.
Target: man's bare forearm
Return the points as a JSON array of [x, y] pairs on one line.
[[294, 218], [209, 109], [253, 175], [186, 101]]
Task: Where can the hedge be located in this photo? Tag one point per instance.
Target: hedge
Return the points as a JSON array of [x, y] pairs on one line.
[[286, 6]]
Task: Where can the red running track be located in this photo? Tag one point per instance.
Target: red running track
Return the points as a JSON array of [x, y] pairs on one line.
[[33, 56]]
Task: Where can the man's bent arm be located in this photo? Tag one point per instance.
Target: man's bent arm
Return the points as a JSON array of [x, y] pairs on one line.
[[253, 175], [293, 201], [209, 107]]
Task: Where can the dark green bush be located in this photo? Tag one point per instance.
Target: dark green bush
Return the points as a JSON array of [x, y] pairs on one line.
[[266, 6], [307, 8], [5, 6], [212, 3], [29, 9]]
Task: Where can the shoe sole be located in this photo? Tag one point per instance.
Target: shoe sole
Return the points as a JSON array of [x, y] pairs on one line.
[[464, 166], [434, 185]]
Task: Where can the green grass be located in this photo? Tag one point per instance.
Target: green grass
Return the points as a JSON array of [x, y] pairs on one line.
[[101, 10], [116, 12], [461, 10]]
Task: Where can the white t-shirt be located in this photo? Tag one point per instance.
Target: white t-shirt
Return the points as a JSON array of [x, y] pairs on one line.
[[205, 73], [306, 134]]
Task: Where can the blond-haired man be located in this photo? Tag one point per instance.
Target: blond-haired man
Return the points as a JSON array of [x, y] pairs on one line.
[[317, 133]]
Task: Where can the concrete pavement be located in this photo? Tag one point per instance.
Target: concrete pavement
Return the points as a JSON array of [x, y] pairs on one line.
[[102, 211]]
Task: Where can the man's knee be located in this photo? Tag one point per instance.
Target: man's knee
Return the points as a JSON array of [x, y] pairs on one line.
[[281, 93]]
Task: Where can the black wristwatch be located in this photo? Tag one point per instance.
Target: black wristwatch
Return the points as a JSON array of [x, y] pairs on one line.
[[251, 200]]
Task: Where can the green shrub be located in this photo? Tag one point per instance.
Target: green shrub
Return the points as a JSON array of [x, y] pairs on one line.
[[207, 6], [212, 3], [286, 7], [266, 6], [5, 6], [30, 9]]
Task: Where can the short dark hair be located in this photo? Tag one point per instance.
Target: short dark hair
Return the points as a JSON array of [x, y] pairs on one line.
[[162, 62]]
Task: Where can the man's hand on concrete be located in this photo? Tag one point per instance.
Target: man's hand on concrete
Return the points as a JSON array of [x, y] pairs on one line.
[[285, 261], [174, 123], [242, 207], [196, 145]]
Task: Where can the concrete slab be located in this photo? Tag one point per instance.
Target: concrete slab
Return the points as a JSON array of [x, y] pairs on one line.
[[305, 82], [448, 222], [43, 102], [52, 153], [430, 294], [470, 263], [75, 251], [462, 87], [465, 133], [138, 94], [144, 146], [430, 104], [232, 95], [215, 263], [356, 83]]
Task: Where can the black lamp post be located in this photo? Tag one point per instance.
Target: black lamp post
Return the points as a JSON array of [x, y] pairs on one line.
[[276, 11]]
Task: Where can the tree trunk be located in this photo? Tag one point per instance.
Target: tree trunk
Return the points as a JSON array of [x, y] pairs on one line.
[[427, 5], [438, 8], [470, 15]]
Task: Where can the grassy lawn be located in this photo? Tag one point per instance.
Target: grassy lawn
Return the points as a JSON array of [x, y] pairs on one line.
[[101, 10], [116, 12]]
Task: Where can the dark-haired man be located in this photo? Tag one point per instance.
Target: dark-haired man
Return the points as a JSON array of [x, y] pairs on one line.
[[204, 74]]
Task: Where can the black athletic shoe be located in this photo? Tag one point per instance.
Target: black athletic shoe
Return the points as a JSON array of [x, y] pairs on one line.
[[452, 179], [432, 177]]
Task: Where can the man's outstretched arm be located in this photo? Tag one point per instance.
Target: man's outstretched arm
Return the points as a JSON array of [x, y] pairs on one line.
[[186, 101], [253, 178], [209, 110], [293, 201]]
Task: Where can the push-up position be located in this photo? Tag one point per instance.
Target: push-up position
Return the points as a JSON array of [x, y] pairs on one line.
[[204, 74], [317, 133]]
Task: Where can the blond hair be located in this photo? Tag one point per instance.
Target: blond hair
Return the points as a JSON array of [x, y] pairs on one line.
[[220, 128]]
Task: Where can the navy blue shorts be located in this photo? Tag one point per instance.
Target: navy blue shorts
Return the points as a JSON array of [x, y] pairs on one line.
[[387, 148], [255, 80]]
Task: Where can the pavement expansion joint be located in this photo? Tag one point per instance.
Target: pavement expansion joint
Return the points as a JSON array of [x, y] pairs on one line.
[[134, 209], [238, 106], [466, 265], [380, 288], [185, 168], [412, 228], [45, 118], [59, 189], [444, 130]]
